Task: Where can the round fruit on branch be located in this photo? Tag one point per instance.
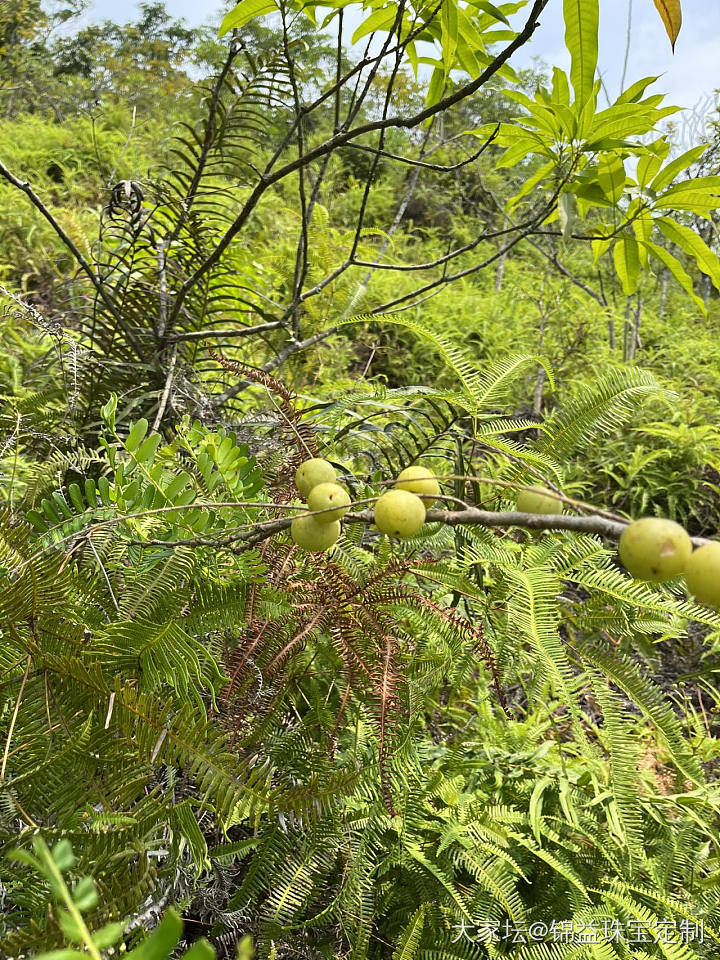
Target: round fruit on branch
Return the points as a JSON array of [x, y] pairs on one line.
[[312, 472], [702, 574], [399, 513], [655, 549], [313, 536], [327, 495], [420, 481], [538, 500]]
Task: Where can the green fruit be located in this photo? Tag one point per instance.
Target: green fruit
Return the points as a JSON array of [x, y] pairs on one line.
[[702, 574], [399, 513], [313, 536], [313, 472], [420, 481], [326, 495], [536, 500], [655, 549]]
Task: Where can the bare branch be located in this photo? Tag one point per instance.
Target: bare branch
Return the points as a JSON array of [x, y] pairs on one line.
[[24, 186], [237, 332], [467, 517], [295, 346], [439, 167], [269, 177]]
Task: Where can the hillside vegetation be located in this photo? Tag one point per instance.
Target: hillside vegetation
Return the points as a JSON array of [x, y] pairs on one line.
[[257, 700]]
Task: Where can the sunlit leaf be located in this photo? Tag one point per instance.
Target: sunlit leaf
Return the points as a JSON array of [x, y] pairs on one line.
[[381, 19], [581, 39], [611, 175], [677, 271], [693, 244], [244, 12], [627, 263]]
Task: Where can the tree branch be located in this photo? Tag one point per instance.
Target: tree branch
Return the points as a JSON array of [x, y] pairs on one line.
[[439, 167], [24, 186], [238, 332], [467, 517], [295, 346], [268, 178]]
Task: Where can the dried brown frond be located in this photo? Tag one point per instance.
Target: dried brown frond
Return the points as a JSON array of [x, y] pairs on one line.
[[359, 620]]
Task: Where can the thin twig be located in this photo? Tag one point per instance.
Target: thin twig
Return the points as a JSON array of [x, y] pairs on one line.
[[24, 186], [104, 572], [13, 721], [166, 392], [271, 176]]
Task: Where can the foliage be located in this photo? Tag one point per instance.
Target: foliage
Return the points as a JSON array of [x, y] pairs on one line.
[[368, 753]]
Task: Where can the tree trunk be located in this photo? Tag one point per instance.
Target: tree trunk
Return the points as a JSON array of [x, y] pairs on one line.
[[663, 291], [501, 264]]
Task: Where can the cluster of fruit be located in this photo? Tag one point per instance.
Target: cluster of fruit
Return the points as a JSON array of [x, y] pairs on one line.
[[399, 513], [657, 550], [652, 549]]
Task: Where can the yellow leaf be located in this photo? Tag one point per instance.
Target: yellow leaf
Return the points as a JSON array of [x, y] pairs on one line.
[[671, 15]]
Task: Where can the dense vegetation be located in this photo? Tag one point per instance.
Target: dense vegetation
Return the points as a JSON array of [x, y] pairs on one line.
[[357, 236]]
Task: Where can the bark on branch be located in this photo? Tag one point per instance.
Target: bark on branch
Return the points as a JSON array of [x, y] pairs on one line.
[[467, 517]]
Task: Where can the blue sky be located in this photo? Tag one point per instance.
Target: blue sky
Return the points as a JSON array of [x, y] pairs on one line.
[[689, 76]]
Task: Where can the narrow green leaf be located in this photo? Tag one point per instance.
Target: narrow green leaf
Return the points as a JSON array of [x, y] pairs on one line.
[[107, 412], [611, 175], [693, 245], [677, 166], [410, 940], [62, 505], [381, 19], [37, 520], [491, 9], [50, 511], [627, 263], [435, 87], [91, 492], [581, 40], [449, 36], [701, 191], [677, 271], [561, 87], [103, 486], [529, 185]]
